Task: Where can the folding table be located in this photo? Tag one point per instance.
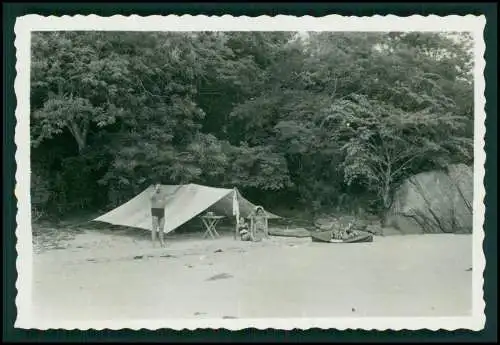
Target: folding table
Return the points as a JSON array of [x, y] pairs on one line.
[[210, 223]]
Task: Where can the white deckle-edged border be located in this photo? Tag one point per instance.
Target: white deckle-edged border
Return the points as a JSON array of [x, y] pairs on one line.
[[453, 23]]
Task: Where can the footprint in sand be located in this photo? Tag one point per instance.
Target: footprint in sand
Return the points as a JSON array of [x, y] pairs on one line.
[[220, 276]]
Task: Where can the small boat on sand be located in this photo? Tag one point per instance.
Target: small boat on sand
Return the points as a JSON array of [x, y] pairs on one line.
[[327, 236], [299, 232]]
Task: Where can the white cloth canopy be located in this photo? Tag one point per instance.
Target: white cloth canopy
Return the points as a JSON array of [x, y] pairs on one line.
[[184, 202]]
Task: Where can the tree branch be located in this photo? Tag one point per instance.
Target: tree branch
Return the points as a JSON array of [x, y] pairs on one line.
[[378, 169], [385, 152], [80, 140], [376, 151], [149, 92], [405, 164], [68, 125], [86, 126]]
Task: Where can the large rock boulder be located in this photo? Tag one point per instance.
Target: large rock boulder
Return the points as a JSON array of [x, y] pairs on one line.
[[434, 202]]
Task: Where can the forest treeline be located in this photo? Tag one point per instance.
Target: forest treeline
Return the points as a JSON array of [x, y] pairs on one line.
[[312, 120]]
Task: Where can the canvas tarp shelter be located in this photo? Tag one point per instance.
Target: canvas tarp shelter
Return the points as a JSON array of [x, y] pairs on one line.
[[184, 202]]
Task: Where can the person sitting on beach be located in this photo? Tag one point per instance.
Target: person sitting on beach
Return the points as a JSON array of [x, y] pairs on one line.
[[243, 230]]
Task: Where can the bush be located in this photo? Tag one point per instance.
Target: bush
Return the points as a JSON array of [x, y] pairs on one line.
[[40, 194]]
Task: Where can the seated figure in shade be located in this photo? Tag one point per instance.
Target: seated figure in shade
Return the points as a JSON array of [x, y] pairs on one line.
[[243, 230], [258, 224]]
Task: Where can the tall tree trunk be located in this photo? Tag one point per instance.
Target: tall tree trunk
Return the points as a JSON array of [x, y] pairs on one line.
[[80, 134], [386, 192], [386, 197]]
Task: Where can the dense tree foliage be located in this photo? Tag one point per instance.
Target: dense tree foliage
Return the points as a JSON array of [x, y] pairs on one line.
[[313, 119]]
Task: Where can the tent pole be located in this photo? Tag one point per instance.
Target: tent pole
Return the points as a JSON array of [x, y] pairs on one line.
[[236, 215], [236, 230]]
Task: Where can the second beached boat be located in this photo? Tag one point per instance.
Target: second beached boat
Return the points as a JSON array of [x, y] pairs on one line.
[[327, 236]]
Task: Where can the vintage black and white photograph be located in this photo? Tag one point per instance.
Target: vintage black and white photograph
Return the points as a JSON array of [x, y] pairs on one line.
[[273, 172]]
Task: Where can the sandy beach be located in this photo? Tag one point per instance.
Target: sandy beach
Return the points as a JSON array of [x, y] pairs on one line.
[[104, 275]]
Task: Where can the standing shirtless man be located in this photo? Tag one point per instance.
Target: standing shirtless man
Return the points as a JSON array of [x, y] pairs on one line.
[[158, 204]]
